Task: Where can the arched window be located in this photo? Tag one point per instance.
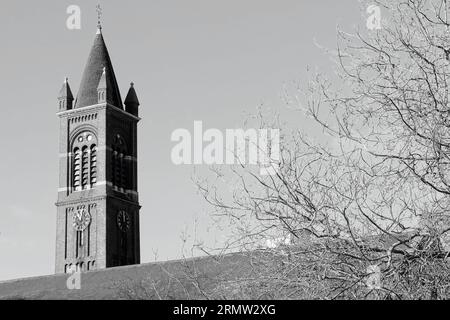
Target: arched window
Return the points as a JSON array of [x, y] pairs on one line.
[[114, 167], [119, 164], [123, 171], [84, 162]]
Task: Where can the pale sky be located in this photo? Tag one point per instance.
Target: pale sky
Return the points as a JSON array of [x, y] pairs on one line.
[[205, 60]]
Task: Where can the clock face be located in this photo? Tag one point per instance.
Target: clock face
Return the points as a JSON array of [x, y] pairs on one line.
[[81, 219], [123, 221]]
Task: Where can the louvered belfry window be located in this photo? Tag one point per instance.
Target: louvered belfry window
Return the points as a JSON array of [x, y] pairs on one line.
[[84, 162], [93, 165], [77, 169]]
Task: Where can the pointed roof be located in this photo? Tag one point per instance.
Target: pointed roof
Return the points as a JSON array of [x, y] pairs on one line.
[[131, 98], [65, 91], [97, 61]]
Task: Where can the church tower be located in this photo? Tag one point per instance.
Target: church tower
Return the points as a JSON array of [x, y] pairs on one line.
[[98, 205]]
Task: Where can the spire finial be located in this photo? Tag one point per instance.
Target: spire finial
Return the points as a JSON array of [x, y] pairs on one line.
[[99, 18]]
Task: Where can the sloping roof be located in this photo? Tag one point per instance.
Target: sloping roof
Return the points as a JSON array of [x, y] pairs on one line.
[[171, 280], [97, 61]]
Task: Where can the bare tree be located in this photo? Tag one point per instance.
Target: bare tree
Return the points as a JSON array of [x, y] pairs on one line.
[[377, 196]]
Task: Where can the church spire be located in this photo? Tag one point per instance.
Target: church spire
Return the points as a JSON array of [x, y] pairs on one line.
[[65, 97], [98, 199], [98, 60]]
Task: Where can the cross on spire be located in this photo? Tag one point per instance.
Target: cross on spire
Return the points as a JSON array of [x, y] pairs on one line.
[[99, 16]]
